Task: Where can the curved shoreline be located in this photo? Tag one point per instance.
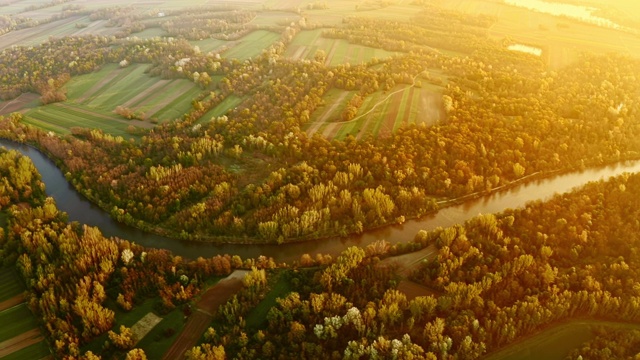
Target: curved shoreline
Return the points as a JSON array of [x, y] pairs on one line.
[[536, 186]]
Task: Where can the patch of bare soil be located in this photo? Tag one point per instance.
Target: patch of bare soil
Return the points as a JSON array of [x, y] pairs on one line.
[[17, 104], [386, 130], [141, 328]]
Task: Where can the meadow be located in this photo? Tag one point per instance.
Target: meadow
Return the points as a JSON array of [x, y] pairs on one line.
[[555, 342], [337, 51], [93, 98], [250, 45], [381, 113], [562, 40], [20, 337]]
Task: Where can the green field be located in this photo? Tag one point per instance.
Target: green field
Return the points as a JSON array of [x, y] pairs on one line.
[[154, 343], [257, 317], [207, 45], [555, 342], [15, 321], [58, 119], [337, 51], [274, 18], [39, 350], [10, 283], [381, 113], [150, 33], [113, 86], [561, 39], [92, 99], [227, 104], [251, 45]]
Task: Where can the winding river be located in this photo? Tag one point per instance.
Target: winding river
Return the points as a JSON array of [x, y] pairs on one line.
[[83, 211]]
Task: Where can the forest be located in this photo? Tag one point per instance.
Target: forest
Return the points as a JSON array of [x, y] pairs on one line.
[[494, 279], [207, 180], [253, 173]]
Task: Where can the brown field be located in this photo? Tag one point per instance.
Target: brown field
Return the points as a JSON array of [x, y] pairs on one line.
[[389, 120], [18, 299], [200, 319], [20, 342], [196, 325], [17, 104]]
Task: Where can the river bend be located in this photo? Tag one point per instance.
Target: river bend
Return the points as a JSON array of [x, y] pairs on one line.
[[83, 211]]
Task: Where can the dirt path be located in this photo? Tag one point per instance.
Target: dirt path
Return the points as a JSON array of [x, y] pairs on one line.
[[200, 320], [9, 303], [20, 342]]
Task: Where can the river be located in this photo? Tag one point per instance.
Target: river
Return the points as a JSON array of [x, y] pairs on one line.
[[85, 212]]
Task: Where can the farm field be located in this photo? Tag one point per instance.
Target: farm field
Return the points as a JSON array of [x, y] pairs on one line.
[[10, 284], [381, 113], [274, 18], [337, 51], [555, 342], [132, 88], [251, 45], [563, 39], [227, 104], [153, 340], [19, 334], [60, 119], [26, 100], [337, 10], [257, 317], [150, 33], [59, 28], [207, 45], [92, 99]]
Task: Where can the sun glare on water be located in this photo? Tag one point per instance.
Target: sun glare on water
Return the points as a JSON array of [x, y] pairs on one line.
[[583, 13]]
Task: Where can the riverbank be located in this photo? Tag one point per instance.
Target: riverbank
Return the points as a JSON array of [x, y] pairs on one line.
[[537, 186]]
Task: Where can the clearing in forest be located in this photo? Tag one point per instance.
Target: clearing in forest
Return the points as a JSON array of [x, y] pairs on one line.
[[381, 113], [337, 51], [93, 98], [251, 45]]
